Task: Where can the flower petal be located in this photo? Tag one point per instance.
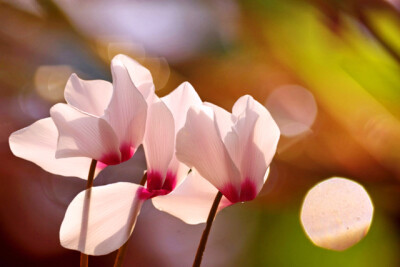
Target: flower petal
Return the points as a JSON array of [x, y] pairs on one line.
[[101, 219], [38, 144], [199, 145], [88, 96], [224, 120], [191, 201], [140, 76], [257, 139], [82, 135], [159, 142], [127, 110], [178, 102]]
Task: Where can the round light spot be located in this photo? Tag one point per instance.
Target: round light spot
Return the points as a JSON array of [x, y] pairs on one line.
[[293, 108], [336, 213], [50, 81]]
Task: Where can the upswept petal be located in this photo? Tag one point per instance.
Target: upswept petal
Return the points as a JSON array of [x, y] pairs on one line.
[[191, 201], [179, 169], [239, 142], [178, 102], [101, 219], [262, 142], [88, 96], [199, 144], [38, 143], [127, 110], [224, 120], [140, 76], [82, 135], [159, 142]]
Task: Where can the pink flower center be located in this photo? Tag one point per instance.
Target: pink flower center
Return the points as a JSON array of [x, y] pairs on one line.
[[113, 158], [248, 191], [156, 186]]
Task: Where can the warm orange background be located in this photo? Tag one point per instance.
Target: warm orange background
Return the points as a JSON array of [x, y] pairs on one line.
[[327, 70]]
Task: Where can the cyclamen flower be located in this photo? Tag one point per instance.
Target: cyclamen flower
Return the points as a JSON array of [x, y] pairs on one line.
[[114, 208], [227, 152], [231, 151], [101, 121]]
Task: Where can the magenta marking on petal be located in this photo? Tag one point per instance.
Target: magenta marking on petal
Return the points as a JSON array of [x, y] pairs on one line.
[[127, 151], [110, 159], [154, 180], [156, 186], [231, 193], [145, 194], [113, 158], [101, 165], [170, 181], [248, 190]]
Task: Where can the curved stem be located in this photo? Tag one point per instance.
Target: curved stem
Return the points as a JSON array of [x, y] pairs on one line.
[[85, 258], [122, 250], [92, 170], [204, 237]]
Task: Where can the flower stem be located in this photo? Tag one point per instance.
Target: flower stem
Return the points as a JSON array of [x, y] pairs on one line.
[[204, 237], [85, 258], [92, 170], [122, 250]]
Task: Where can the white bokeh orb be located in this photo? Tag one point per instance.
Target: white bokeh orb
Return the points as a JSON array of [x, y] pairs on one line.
[[336, 213]]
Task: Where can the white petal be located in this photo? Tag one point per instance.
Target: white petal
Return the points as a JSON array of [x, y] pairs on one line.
[[159, 139], [240, 144], [140, 76], [191, 201], [179, 101], [82, 135], [223, 119], [38, 143], [336, 213], [127, 110], [258, 136], [178, 168], [88, 96], [199, 145], [100, 220]]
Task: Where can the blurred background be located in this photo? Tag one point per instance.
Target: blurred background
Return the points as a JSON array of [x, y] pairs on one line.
[[327, 70]]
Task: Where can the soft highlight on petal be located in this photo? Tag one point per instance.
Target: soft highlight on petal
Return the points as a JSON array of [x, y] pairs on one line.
[[103, 223], [191, 201], [127, 110], [38, 144], [88, 96], [224, 120], [256, 140], [140, 76], [82, 135], [159, 139], [336, 213], [199, 144], [178, 102]]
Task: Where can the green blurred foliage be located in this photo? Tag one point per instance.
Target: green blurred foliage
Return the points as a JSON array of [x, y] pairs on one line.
[[279, 240]]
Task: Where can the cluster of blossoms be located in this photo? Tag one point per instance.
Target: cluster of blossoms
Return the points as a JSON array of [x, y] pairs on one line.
[[193, 150]]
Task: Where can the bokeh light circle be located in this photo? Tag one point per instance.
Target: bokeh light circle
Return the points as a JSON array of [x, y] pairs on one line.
[[293, 108], [336, 213]]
